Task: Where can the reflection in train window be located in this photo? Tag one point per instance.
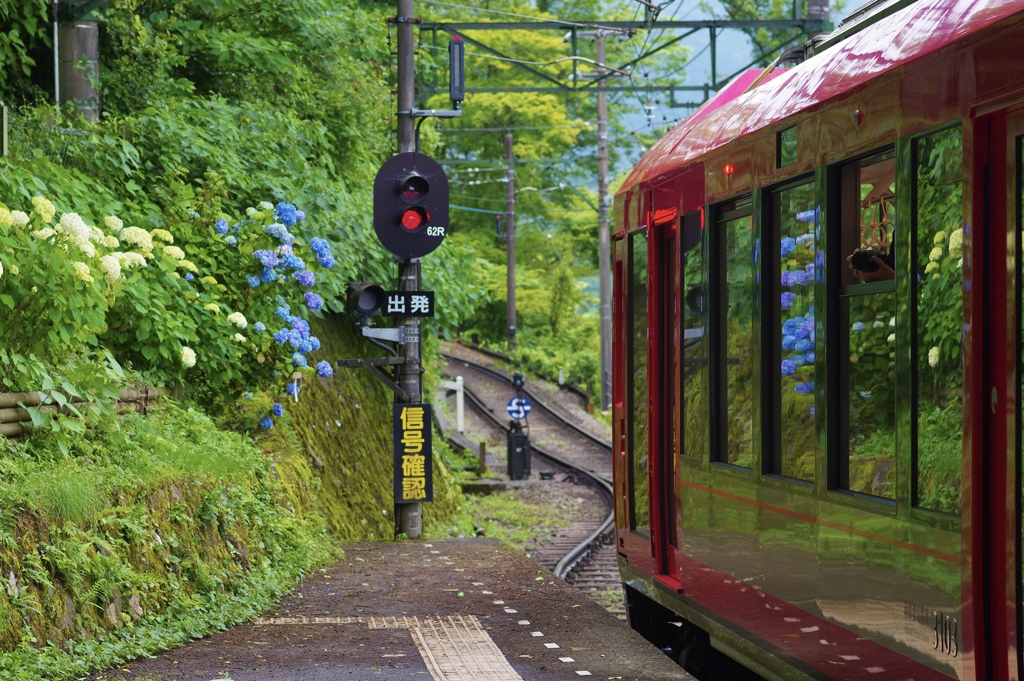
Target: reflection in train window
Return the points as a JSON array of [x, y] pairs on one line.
[[694, 314], [867, 317], [737, 286], [938, 278], [795, 218], [637, 377]]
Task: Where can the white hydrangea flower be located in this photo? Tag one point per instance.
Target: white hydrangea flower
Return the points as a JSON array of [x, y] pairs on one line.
[[933, 357], [111, 267], [239, 338], [238, 319], [163, 235], [114, 223], [96, 234], [1, 269], [931, 267], [5, 218], [188, 265], [266, 205], [19, 218], [174, 252], [130, 259], [188, 357], [956, 243], [44, 233], [138, 237], [935, 254], [891, 338], [72, 225], [82, 271], [88, 250], [14, 270], [209, 280], [43, 208], [250, 211], [940, 237], [212, 307], [111, 242]]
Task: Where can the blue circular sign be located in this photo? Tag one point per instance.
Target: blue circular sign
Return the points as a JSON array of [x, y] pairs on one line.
[[518, 408]]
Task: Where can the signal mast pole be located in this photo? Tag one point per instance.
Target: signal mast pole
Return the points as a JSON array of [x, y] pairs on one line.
[[604, 257], [409, 516], [510, 236]]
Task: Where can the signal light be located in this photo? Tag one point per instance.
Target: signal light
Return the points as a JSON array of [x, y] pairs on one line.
[[410, 205], [364, 298]]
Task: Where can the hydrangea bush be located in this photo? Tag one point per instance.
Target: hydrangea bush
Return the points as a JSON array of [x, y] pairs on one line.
[[220, 309]]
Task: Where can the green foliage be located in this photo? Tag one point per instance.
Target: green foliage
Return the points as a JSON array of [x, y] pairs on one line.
[[504, 517]]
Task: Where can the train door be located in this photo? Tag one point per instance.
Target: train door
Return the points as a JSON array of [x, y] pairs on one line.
[[664, 320], [996, 530]]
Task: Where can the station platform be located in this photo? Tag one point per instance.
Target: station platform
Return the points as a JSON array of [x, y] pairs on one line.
[[451, 609]]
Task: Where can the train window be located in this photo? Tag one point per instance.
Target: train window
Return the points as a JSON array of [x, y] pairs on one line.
[[867, 318], [795, 218], [785, 145], [637, 391], [695, 344], [938, 277], [736, 285]]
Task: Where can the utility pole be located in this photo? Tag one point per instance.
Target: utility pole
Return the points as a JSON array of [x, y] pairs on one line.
[[604, 260], [409, 516], [76, 38], [510, 235]]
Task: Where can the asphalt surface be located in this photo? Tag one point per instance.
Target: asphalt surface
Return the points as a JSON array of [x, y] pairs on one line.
[[354, 620]]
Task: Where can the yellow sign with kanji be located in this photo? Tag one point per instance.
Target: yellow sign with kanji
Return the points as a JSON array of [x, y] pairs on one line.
[[413, 479]]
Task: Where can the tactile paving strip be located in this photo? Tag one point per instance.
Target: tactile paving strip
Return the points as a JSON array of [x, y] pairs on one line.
[[456, 648]]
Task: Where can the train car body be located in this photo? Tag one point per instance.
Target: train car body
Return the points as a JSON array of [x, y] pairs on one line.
[[819, 469]]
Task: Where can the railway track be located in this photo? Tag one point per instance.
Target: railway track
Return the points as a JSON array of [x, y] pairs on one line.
[[566, 452]]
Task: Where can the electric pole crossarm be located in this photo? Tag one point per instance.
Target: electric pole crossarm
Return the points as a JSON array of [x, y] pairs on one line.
[[496, 53], [373, 365]]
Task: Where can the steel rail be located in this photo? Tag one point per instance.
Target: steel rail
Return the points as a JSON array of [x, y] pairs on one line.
[[573, 557]]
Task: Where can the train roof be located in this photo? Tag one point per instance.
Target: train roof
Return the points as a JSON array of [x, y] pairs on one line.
[[907, 34]]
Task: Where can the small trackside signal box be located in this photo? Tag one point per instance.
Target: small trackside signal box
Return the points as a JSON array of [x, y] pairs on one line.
[[410, 205]]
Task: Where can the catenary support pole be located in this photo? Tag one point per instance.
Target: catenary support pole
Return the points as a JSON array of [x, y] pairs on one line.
[[604, 261], [510, 236], [408, 517]]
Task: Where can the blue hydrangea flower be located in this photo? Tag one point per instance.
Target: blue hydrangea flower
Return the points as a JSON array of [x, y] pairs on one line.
[[266, 258], [268, 275], [319, 245], [787, 299], [266, 422], [326, 260], [189, 276], [221, 226], [314, 301], [805, 387], [788, 342], [315, 342], [323, 368], [788, 367], [858, 326], [788, 246], [278, 409], [294, 262], [292, 389], [259, 327], [305, 346], [300, 325], [305, 277], [809, 358], [300, 215], [803, 345], [282, 335], [285, 249], [299, 360], [278, 231], [295, 338], [286, 213], [283, 311], [231, 241], [253, 281]]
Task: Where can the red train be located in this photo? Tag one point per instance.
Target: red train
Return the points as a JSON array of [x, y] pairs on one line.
[[819, 358]]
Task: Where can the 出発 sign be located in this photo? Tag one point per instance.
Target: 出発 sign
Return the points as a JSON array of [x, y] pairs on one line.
[[413, 479]]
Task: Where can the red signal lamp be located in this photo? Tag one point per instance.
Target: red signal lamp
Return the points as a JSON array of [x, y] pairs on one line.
[[414, 218], [729, 169]]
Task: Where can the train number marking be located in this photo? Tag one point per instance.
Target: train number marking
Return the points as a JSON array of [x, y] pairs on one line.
[[946, 631]]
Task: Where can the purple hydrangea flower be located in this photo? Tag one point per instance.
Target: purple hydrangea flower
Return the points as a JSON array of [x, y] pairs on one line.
[[221, 226], [323, 368], [314, 301], [278, 409], [267, 258], [299, 360], [300, 325], [787, 299], [259, 327], [286, 213], [266, 422], [253, 281], [305, 277]]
